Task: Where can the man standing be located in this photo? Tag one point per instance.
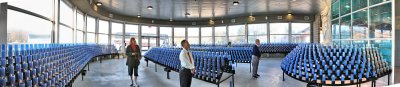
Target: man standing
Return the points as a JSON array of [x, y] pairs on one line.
[[256, 58], [187, 65]]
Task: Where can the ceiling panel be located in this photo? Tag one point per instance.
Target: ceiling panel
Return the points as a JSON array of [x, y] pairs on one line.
[[207, 9]]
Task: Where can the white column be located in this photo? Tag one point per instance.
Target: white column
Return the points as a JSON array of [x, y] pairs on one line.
[[74, 23], [109, 32], [396, 41], [56, 25], [123, 34], [140, 36]]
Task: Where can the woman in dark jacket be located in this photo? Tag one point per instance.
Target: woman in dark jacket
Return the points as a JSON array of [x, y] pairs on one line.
[[133, 60]]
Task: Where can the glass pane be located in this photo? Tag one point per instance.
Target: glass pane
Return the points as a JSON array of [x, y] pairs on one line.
[[381, 21], [79, 37], [116, 40], [166, 36], [279, 38], [258, 29], [91, 24], [220, 40], [116, 28], [193, 35], [91, 38], [206, 40], [236, 30], [66, 14], [335, 30], [372, 2], [66, 34], [179, 32], [103, 27], [279, 28], [103, 39], [345, 7], [79, 21], [301, 38], [220, 31], [149, 35], [206, 31], [131, 31], [345, 32], [262, 38], [301, 28], [177, 41], [335, 10], [358, 4], [41, 7], [360, 25], [193, 32], [237, 39], [36, 30]]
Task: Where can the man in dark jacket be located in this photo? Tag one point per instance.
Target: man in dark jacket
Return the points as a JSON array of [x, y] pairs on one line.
[[256, 54]]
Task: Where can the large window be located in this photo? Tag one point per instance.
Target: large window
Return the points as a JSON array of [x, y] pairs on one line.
[[237, 34], [66, 34], [91, 38], [66, 14], [300, 33], [36, 30], [179, 35], [131, 31], [335, 30], [103, 27], [345, 7], [381, 21], [117, 33], [279, 32], [91, 24], [79, 21], [79, 36], [279, 28], [193, 35], [166, 36], [345, 32], [360, 25], [220, 35], [103, 39], [206, 35], [149, 37], [41, 7], [258, 31]]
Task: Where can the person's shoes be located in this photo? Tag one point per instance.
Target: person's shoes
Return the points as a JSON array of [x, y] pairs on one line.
[[255, 77], [131, 84]]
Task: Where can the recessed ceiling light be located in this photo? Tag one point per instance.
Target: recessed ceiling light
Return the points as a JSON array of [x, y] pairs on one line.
[[290, 14], [187, 14], [138, 16], [293, 0], [170, 19], [149, 7], [99, 3], [235, 2]]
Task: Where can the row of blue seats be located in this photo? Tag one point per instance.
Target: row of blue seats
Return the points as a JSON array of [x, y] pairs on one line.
[[363, 65], [209, 65], [238, 54], [45, 65], [264, 47]]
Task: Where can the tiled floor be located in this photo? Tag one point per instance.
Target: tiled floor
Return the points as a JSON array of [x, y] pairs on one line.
[[113, 73]]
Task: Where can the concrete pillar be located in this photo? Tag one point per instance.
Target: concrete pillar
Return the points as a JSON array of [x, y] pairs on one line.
[[3, 23], [140, 36]]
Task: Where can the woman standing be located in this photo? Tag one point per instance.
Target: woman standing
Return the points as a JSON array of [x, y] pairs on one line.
[[133, 60]]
